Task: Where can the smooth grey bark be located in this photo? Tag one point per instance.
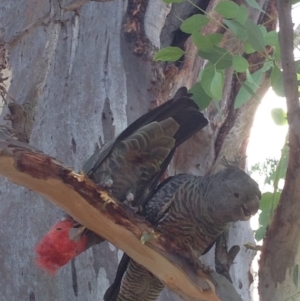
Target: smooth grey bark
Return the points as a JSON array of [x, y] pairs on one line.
[[68, 71], [80, 81]]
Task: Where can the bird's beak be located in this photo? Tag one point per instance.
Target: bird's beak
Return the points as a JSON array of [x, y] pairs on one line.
[[250, 208]]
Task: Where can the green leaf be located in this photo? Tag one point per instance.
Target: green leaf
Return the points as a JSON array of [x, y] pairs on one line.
[[256, 76], [254, 4], [255, 36], [227, 9], [173, 1], [275, 74], [277, 52], [254, 79], [264, 218], [260, 233], [271, 38], [295, 1], [277, 81], [200, 97], [237, 29], [242, 14], [248, 88], [265, 203], [249, 77], [267, 66], [297, 66], [280, 171], [279, 116], [216, 86], [146, 237], [194, 23], [243, 95], [215, 38], [296, 275], [262, 29], [202, 42], [170, 54], [239, 63], [207, 75], [248, 48], [251, 90], [218, 56]]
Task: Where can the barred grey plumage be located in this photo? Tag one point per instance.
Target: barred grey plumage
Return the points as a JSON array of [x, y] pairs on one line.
[[191, 211], [139, 284]]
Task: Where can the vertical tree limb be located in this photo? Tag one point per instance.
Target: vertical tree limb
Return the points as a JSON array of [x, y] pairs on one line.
[[280, 251]]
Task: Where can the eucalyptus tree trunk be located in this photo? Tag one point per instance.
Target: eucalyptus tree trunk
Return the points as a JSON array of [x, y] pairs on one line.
[[79, 73]]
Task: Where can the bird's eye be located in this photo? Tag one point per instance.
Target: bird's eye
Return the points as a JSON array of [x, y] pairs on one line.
[[58, 229], [236, 194]]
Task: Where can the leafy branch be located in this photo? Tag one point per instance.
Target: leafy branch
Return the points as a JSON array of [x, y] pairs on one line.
[[274, 171], [250, 38]]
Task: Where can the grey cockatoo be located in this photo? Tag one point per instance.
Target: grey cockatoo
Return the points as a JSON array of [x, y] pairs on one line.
[[192, 212]]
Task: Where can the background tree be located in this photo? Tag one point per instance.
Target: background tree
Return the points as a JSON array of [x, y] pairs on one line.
[[79, 73]]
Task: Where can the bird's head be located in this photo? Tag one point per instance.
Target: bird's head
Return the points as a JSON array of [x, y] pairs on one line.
[[234, 195], [65, 240]]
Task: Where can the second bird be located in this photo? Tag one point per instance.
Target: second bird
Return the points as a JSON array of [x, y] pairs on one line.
[[192, 212]]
